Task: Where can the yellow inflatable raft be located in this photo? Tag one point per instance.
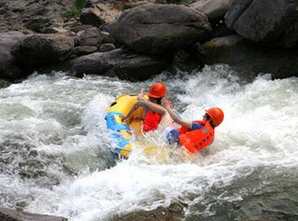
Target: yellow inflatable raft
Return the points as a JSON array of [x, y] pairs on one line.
[[124, 132]]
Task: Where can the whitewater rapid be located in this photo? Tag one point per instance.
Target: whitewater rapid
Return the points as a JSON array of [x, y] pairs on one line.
[[55, 149]]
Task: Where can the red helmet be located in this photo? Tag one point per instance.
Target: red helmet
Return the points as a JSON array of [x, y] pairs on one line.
[[216, 114], [157, 90]]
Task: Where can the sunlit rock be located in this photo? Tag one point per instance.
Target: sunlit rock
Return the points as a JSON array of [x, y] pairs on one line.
[[265, 21], [156, 28]]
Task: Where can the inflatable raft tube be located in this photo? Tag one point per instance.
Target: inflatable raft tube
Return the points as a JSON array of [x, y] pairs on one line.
[[124, 132]]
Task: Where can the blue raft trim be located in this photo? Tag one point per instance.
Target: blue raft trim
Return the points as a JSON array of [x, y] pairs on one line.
[[116, 127]]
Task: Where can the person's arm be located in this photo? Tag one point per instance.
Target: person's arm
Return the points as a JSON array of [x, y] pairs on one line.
[[131, 111], [152, 106], [178, 120]]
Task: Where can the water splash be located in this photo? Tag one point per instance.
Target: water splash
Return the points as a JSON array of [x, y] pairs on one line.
[[54, 147]]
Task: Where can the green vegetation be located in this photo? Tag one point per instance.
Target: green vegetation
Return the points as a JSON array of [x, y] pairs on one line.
[[71, 14], [2, 4], [79, 5]]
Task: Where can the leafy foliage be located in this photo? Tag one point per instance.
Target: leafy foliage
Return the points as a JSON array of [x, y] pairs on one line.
[[71, 14], [79, 5]]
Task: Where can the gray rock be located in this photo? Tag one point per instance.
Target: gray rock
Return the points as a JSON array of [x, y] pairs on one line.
[[39, 49], [12, 215], [35, 15], [251, 59], [214, 9], [107, 47], [156, 28], [83, 50], [91, 16], [189, 59], [53, 30], [107, 37], [10, 69], [265, 20], [79, 28], [120, 63], [4, 83], [90, 37], [172, 213]]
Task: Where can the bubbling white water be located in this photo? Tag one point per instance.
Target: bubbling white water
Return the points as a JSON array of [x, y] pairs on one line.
[[63, 117]]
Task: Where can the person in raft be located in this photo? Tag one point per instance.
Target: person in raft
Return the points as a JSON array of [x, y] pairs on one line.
[[194, 135], [152, 119]]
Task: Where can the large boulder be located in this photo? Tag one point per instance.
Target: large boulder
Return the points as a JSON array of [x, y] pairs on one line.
[[214, 9], [265, 20], [89, 37], [157, 28], [120, 63], [251, 59], [39, 49], [10, 69]]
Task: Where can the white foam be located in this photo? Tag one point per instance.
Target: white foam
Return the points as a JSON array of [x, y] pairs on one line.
[[65, 116]]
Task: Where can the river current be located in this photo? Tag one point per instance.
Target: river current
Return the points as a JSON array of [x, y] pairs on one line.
[[55, 149]]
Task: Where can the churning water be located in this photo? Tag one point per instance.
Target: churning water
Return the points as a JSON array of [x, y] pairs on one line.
[[55, 149]]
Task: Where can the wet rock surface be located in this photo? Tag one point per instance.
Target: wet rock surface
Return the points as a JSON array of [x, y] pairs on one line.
[[12, 215], [124, 64], [175, 212], [242, 54]]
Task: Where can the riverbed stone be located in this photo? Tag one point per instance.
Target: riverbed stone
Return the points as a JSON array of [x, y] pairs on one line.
[[175, 212], [245, 55], [10, 68], [91, 16], [89, 37], [13, 215], [39, 49], [83, 50], [107, 47], [119, 63], [157, 28], [265, 21], [214, 9], [100, 13]]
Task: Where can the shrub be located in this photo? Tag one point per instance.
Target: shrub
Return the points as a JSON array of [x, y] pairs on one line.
[[79, 5]]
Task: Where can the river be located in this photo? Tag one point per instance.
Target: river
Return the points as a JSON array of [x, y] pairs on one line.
[[55, 149]]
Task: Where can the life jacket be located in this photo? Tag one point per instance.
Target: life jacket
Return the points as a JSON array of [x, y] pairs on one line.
[[196, 140], [152, 120]]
